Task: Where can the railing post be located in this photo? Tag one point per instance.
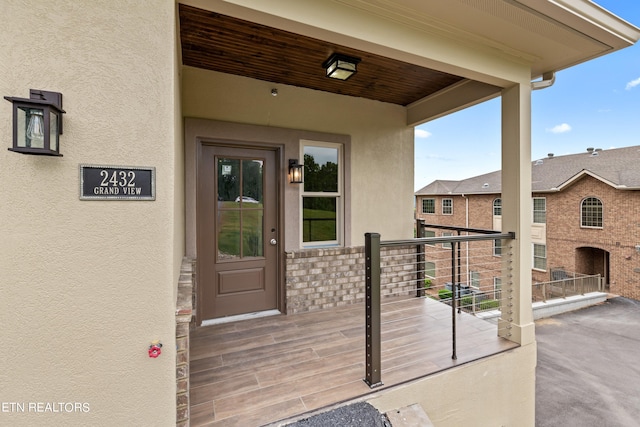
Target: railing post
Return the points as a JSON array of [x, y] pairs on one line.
[[454, 297], [459, 244], [372, 285], [420, 260]]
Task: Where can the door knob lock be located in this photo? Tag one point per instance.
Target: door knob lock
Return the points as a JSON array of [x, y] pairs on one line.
[[273, 242]]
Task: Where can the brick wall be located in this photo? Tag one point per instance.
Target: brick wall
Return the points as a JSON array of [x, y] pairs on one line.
[[479, 208], [480, 211], [334, 277], [581, 250], [570, 246], [184, 313]]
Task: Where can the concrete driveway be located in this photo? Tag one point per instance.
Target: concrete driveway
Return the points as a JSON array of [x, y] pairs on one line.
[[588, 371]]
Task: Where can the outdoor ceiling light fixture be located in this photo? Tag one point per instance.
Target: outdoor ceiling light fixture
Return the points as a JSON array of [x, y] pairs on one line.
[[340, 67], [37, 123], [295, 171]]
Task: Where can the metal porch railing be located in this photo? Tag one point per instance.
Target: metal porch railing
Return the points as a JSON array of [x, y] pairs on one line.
[[569, 285], [468, 265]]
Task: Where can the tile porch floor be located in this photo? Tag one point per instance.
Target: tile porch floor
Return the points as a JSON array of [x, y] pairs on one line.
[[258, 371]]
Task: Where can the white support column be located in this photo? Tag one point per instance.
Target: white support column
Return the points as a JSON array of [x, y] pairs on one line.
[[516, 322]]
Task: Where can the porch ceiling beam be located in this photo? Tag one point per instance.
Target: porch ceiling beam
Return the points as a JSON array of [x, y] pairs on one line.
[[454, 98]]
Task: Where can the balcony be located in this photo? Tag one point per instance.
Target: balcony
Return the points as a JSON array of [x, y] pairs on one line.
[[263, 370]]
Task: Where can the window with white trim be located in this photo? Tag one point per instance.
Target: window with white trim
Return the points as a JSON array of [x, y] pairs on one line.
[[497, 247], [497, 287], [430, 270], [429, 233], [539, 210], [591, 213], [447, 234], [497, 207], [539, 257], [428, 206], [322, 217], [474, 279], [447, 206]]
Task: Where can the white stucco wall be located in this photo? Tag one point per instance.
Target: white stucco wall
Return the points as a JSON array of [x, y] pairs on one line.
[[381, 189], [87, 285]]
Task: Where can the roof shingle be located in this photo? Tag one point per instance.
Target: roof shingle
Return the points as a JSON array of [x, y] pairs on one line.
[[617, 167]]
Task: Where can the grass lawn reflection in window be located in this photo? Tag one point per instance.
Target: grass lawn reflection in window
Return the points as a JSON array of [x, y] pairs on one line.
[[229, 225], [319, 221]]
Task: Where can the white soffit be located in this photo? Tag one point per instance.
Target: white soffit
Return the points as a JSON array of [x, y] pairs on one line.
[[550, 35]]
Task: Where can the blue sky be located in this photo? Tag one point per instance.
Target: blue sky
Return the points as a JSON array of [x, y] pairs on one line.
[[595, 104]]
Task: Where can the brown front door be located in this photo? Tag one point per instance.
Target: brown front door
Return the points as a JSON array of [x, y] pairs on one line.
[[237, 231]]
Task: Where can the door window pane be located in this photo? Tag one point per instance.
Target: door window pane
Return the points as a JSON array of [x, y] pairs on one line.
[[228, 180], [228, 234], [252, 226], [319, 219], [240, 208], [252, 180]]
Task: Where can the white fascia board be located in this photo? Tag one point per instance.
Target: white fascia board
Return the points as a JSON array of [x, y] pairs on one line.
[[583, 173], [588, 18]]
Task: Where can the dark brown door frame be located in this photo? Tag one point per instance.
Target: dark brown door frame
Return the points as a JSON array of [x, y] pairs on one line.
[[281, 173]]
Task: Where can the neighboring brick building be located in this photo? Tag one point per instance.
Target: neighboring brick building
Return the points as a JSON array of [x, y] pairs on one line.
[[585, 218]]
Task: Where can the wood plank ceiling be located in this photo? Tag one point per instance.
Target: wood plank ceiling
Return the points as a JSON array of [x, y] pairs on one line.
[[222, 43]]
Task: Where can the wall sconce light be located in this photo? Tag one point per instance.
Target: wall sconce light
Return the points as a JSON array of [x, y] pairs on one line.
[[340, 67], [37, 123], [295, 171]]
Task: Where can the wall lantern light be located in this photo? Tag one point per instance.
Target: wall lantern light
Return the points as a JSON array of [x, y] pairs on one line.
[[295, 172], [37, 123], [340, 67]]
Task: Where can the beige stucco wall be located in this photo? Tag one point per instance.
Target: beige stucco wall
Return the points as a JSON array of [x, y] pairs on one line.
[[381, 189], [496, 391], [178, 160], [87, 285]]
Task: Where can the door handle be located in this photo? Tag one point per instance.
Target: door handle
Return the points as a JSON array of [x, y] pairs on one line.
[[273, 242]]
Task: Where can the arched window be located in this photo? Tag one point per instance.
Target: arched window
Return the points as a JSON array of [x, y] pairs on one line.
[[591, 212], [497, 207]]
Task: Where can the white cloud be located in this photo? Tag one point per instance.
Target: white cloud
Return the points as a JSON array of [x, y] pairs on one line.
[[421, 133], [560, 128], [633, 83]]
